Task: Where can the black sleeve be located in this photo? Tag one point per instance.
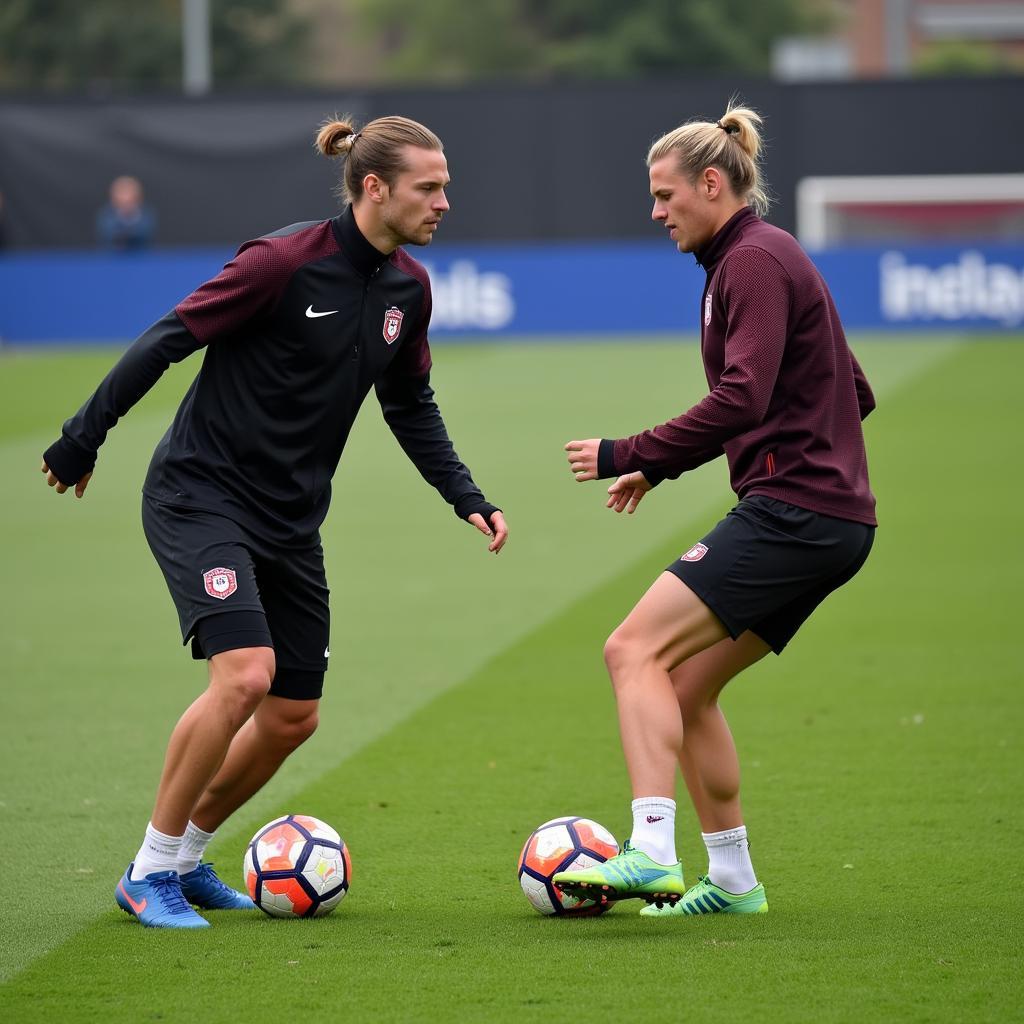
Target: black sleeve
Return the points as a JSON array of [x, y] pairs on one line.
[[414, 418], [167, 341]]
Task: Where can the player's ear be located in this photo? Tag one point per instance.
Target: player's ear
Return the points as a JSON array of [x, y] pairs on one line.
[[375, 188], [711, 182]]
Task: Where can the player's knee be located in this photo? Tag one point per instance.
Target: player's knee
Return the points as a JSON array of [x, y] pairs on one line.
[[622, 653], [242, 678], [290, 731]]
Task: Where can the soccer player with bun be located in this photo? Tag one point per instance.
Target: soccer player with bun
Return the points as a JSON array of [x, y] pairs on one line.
[[785, 406], [297, 329]]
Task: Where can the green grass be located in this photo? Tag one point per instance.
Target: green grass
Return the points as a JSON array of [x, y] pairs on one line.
[[881, 753]]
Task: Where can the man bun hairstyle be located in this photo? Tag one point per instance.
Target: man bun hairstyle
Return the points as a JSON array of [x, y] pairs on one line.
[[732, 144], [378, 148]]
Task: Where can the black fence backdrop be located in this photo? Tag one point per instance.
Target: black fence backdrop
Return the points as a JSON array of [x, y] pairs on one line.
[[527, 162]]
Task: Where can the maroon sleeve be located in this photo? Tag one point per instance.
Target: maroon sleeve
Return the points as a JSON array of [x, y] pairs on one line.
[[248, 287], [865, 396], [756, 293]]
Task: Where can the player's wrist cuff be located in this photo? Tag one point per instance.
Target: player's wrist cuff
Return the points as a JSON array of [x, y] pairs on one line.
[[606, 460], [465, 509], [69, 461]]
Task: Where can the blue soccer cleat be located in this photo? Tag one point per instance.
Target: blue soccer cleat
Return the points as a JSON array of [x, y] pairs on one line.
[[156, 901], [202, 888]]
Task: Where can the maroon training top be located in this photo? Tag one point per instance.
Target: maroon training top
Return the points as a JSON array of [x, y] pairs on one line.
[[787, 395]]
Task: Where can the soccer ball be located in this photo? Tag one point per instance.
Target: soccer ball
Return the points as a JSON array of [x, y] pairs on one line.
[[558, 845], [297, 866]]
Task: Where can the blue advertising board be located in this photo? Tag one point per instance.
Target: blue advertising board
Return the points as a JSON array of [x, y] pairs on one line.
[[522, 290]]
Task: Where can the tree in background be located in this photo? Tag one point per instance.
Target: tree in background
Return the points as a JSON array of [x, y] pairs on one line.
[[451, 40], [119, 44]]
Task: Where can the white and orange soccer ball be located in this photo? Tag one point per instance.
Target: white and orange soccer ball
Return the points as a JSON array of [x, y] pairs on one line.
[[297, 866], [560, 845]]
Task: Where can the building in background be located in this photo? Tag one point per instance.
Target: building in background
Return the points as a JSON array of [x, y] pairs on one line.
[[878, 38]]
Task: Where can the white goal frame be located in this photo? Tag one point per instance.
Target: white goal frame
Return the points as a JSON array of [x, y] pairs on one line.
[[815, 195]]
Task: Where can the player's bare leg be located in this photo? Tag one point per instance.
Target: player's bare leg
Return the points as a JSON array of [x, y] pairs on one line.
[[712, 773], [239, 681], [152, 890], [668, 625], [708, 759], [277, 727]]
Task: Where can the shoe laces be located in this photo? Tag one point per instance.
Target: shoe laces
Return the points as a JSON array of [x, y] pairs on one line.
[[168, 891], [207, 874]]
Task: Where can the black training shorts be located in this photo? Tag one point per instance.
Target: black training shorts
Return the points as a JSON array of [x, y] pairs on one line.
[[767, 565], [233, 590]]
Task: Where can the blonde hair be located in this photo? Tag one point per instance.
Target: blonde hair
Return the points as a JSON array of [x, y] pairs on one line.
[[373, 149], [732, 144]]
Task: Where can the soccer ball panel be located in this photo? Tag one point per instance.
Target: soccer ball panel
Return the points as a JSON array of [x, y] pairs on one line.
[[317, 829], [284, 841], [286, 897], [537, 893], [596, 837], [324, 869], [548, 847], [328, 903]]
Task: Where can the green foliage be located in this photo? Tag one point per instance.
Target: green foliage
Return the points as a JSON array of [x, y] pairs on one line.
[[117, 44], [965, 57], [452, 40]]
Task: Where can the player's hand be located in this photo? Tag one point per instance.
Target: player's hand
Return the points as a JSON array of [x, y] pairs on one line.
[[498, 535], [52, 481], [583, 458], [626, 492]]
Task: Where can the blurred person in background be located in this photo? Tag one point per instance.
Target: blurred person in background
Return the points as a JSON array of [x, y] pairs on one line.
[[297, 329], [126, 222], [786, 402]]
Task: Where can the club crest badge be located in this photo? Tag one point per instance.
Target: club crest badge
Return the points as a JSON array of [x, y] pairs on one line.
[[707, 309], [392, 324], [220, 583], [696, 553]]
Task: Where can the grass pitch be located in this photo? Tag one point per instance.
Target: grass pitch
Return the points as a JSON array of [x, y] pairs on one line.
[[467, 703]]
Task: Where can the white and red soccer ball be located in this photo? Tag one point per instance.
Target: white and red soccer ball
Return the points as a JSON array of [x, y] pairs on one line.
[[563, 844], [297, 866]]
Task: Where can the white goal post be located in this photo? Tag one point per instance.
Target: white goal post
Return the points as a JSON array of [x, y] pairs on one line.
[[837, 210]]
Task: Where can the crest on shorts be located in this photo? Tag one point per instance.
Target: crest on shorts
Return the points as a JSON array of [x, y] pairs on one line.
[[696, 553], [707, 309], [392, 323], [220, 583]]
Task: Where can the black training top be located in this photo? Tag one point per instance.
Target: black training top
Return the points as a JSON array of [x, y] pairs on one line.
[[297, 327]]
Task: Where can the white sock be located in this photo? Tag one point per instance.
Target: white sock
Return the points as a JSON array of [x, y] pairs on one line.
[[729, 864], [193, 845], [654, 828], [157, 853]]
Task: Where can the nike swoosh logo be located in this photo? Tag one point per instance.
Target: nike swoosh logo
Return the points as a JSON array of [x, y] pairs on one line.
[[137, 907], [326, 312]]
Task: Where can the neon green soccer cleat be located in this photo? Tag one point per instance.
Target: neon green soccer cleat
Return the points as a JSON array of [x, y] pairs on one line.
[[707, 898], [630, 875]]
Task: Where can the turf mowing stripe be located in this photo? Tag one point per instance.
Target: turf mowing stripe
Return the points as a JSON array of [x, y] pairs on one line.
[[873, 760], [530, 720], [105, 804]]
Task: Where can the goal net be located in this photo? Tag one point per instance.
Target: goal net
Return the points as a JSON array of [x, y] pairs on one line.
[[910, 209]]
